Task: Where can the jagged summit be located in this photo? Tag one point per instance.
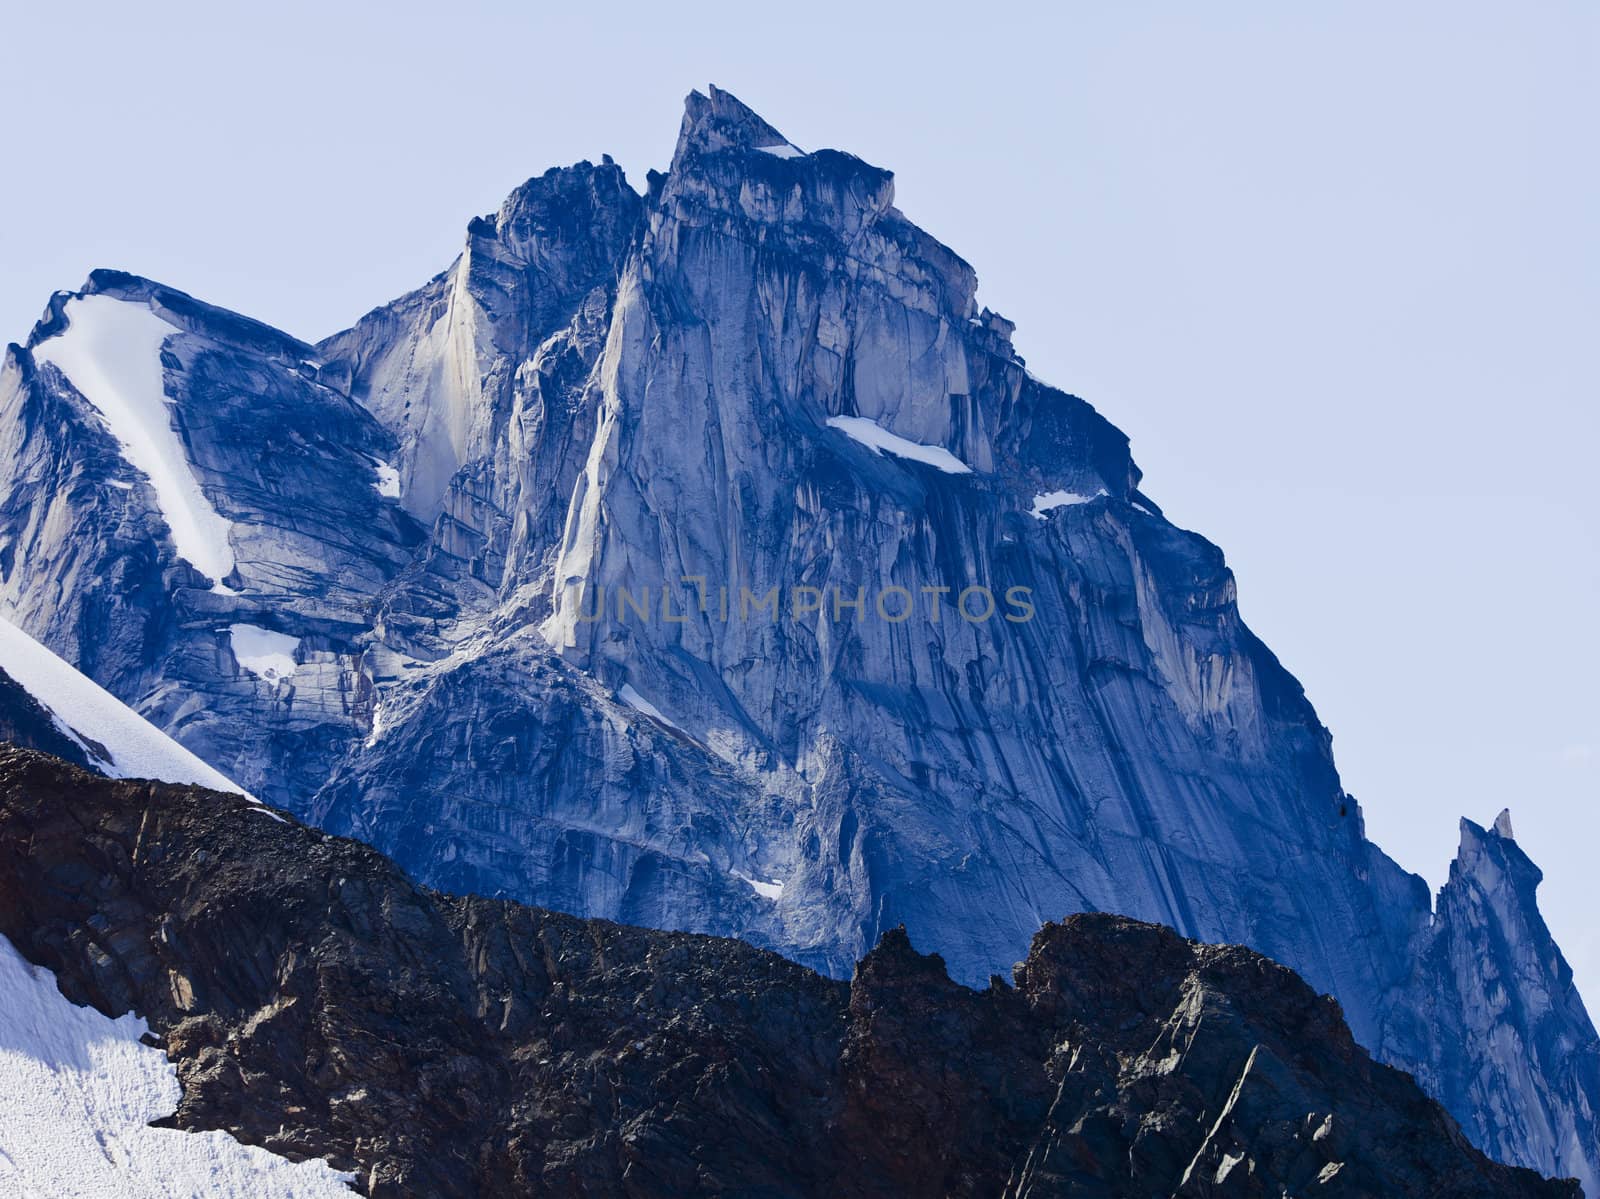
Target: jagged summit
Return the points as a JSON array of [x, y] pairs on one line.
[[721, 121], [620, 568], [1516, 993], [568, 221]]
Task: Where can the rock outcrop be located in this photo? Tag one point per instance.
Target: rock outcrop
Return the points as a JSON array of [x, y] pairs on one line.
[[317, 1002]]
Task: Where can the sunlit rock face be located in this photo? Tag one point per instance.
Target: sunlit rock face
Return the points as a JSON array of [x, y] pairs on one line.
[[640, 565]]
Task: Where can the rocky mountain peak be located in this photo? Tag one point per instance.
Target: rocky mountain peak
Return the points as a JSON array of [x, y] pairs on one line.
[[1517, 1001], [894, 960], [555, 237], [1490, 854], [183, 311], [617, 568], [721, 121], [734, 174]]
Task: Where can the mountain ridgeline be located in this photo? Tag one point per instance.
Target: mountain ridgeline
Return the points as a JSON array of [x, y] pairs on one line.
[[709, 561], [317, 1003]]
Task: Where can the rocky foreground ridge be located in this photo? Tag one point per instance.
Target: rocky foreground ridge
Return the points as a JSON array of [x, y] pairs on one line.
[[319, 1003]]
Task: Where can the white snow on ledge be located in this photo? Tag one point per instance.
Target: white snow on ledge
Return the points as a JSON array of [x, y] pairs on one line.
[[770, 890], [264, 653], [783, 150], [879, 440], [85, 712], [643, 706], [388, 484], [111, 352], [77, 1093], [1050, 500]]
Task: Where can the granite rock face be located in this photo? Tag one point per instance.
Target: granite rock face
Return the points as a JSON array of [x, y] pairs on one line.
[[317, 1002], [291, 470], [624, 565]]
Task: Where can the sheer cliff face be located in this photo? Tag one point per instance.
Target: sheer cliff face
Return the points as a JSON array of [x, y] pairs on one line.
[[704, 478], [449, 367], [1508, 994]]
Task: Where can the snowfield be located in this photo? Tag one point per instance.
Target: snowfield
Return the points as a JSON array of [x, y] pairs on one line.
[[98, 721], [262, 652], [772, 889], [77, 1093], [1050, 500], [111, 352], [879, 440], [643, 706]]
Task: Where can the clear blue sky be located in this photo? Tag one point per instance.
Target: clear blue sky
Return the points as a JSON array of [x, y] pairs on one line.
[[1335, 268]]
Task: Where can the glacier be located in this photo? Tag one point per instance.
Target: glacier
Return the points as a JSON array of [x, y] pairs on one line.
[[664, 396]]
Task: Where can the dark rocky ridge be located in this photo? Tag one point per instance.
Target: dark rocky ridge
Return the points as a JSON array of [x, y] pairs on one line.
[[318, 1002]]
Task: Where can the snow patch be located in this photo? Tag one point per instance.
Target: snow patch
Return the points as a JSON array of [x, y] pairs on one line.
[[111, 352], [767, 890], [98, 721], [77, 1093], [640, 704], [264, 653], [388, 484], [783, 150], [1229, 1161], [1050, 500], [879, 440]]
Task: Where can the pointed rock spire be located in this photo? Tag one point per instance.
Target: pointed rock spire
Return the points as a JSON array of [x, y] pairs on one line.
[[721, 121]]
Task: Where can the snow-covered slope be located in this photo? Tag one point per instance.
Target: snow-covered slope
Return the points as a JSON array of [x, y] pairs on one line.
[[78, 1091], [110, 350], [115, 740]]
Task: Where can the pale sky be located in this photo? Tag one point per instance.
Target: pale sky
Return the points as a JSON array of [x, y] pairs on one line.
[[1334, 268]]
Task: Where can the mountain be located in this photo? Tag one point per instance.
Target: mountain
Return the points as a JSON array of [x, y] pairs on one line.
[[314, 1000], [710, 561], [191, 549]]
